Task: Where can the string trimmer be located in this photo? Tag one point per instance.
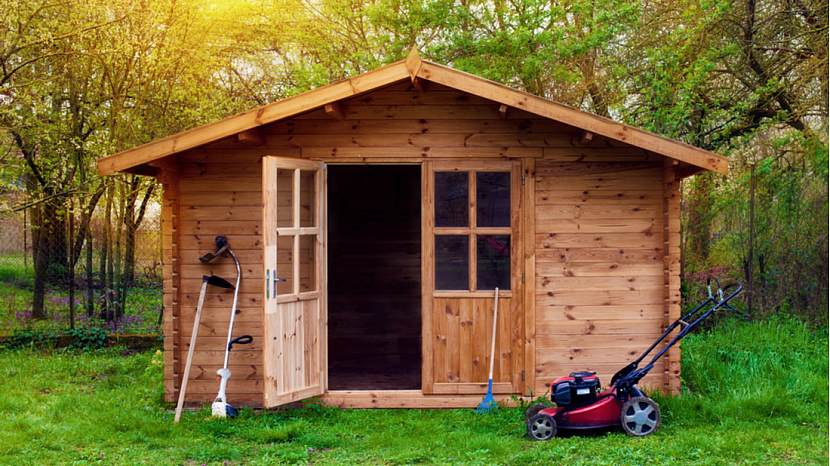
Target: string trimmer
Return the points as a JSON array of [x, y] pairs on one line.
[[206, 280], [220, 406]]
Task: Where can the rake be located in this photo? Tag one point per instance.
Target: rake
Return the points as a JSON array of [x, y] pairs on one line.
[[489, 403]]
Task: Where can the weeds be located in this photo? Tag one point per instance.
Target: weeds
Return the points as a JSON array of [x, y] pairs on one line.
[[140, 317]]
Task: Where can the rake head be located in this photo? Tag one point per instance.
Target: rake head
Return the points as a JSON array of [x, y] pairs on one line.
[[488, 404]]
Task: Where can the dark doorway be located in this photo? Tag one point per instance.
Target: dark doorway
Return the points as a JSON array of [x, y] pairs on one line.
[[374, 277]]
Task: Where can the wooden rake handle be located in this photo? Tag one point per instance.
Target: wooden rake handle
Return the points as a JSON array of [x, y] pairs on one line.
[[495, 326]]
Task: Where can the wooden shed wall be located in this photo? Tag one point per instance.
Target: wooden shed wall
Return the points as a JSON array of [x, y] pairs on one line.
[[217, 190], [219, 193], [601, 266]]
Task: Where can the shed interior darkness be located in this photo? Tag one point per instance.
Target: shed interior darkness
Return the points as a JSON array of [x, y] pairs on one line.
[[374, 277]]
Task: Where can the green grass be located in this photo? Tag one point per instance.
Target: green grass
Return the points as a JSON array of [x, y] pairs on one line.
[[757, 394]]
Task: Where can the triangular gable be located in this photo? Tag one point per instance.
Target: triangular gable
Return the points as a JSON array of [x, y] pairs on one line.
[[417, 71]]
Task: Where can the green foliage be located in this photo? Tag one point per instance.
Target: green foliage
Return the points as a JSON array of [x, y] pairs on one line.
[[140, 315], [790, 251], [88, 338], [31, 338]]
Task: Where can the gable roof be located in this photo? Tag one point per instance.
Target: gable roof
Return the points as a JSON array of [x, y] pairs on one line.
[[414, 69]]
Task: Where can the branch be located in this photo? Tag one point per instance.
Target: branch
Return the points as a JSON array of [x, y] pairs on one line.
[[39, 201]]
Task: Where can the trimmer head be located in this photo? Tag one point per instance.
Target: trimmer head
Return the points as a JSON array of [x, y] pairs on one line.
[[220, 407], [221, 246]]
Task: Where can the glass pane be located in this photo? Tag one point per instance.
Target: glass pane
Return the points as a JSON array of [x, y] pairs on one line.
[[493, 200], [307, 192], [285, 198], [452, 199], [308, 269], [493, 262], [452, 262], [285, 265]]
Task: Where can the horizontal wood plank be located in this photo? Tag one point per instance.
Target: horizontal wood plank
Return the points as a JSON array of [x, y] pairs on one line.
[[425, 152], [575, 284], [591, 225], [634, 169], [598, 297], [599, 240], [601, 327], [595, 211], [582, 312], [422, 125], [598, 255], [599, 269], [601, 197]]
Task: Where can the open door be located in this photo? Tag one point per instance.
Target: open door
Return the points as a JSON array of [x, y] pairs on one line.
[[294, 255]]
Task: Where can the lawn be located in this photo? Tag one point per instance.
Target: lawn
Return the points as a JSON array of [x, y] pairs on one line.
[[756, 394]]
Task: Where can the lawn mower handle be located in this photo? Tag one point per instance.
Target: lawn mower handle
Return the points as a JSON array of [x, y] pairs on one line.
[[628, 376]]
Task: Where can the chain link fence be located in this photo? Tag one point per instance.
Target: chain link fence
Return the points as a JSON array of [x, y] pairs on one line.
[[62, 269]]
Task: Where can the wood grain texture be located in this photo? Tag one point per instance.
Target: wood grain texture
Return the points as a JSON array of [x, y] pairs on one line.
[[600, 286]]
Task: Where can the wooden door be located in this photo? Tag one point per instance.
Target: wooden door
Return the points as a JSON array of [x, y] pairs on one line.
[[294, 255], [472, 244]]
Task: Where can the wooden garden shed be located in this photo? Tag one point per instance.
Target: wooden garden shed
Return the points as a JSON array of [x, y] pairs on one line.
[[394, 203]]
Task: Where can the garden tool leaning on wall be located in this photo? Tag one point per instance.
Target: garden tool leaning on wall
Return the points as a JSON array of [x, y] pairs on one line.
[[220, 406], [206, 280]]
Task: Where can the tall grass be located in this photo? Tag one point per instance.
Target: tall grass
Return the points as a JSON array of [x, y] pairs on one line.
[[771, 371]]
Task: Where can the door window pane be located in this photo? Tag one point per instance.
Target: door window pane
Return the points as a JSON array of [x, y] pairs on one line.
[[452, 199], [493, 262], [308, 249], [492, 200], [285, 266], [452, 262], [307, 190], [285, 198]]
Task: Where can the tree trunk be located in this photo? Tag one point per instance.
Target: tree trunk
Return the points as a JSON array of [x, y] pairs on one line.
[[104, 262], [90, 293], [40, 239], [118, 257], [48, 230]]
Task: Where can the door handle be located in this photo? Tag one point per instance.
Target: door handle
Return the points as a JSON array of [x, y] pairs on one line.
[[268, 280]]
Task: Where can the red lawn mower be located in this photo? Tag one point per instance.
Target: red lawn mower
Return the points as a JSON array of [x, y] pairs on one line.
[[580, 405]]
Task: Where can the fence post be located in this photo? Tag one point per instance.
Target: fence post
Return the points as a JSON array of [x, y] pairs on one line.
[[71, 263], [751, 232], [25, 240]]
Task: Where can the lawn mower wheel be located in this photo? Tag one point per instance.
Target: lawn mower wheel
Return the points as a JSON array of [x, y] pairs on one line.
[[640, 416], [541, 427]]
